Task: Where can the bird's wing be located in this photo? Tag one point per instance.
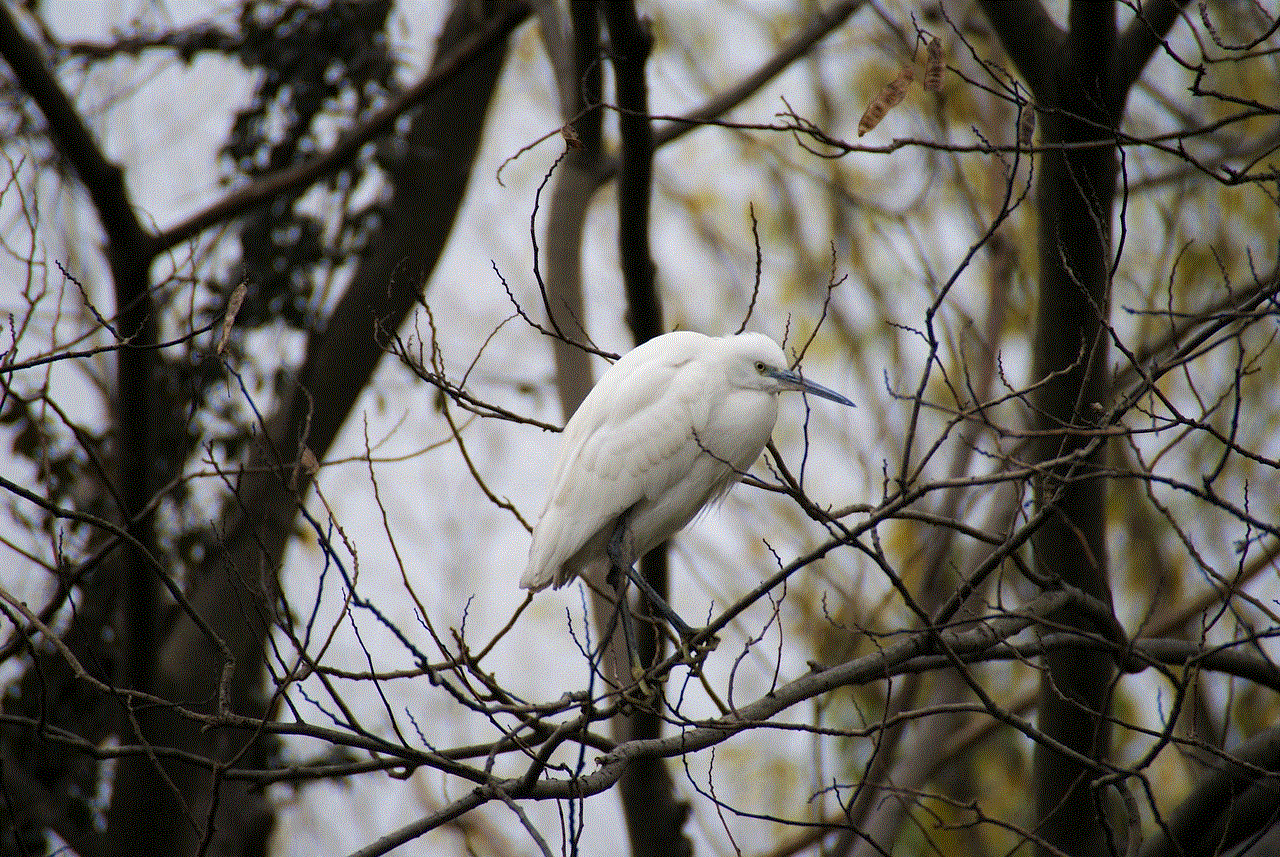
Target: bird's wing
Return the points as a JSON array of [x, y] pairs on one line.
[[628, 441], [632, 383]]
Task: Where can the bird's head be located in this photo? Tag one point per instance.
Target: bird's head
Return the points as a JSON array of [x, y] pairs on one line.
[[756, 362]]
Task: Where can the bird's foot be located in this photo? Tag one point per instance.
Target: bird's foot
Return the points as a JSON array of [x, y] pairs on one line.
[[638, 673], [639, 696], [694, 644]]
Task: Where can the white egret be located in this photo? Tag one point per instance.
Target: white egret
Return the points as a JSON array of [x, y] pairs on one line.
[[667, 429]]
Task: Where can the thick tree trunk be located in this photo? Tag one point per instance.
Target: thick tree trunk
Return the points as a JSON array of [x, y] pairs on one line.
[[1079, 79], [1074, 194], [1078, 111], [236, 597]]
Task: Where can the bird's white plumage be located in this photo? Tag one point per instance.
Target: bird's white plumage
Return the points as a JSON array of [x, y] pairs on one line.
[[666, 430]]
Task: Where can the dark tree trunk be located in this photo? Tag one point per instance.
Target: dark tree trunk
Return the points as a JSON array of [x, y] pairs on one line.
[[1079, 79], [652, 806], [1074, 193], [177, 808]]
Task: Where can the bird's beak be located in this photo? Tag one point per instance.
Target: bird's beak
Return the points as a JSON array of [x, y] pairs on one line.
[[793, 381]]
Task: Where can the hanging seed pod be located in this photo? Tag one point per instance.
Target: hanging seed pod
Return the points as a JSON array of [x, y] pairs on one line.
[[229, 318], [888, 98], [933, 66], [1026, 125]]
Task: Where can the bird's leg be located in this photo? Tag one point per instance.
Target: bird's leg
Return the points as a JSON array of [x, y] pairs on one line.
[[619, 574], [606, 634], [622, 615], [622, 561]]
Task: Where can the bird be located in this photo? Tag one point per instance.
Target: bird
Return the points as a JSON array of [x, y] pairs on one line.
[[665, 432]]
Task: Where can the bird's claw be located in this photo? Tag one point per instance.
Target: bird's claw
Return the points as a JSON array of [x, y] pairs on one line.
[[639, 695], [694, 646], [691, 649]]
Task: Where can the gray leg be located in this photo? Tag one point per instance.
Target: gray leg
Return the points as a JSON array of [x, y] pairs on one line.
[[623, 565], [622, 614]]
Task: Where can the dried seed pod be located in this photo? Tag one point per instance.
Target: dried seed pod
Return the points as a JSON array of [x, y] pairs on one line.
[[307, 461], [571, 138], [888, 98], [305, 467], [1026, 125], [933, 66], [229, 319]]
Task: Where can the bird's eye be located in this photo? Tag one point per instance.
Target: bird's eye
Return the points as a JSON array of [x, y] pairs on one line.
[[760, 366]]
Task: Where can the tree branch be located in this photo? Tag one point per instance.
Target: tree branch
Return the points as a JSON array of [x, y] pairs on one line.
[[630, 43], [654, 812], [1030, 38], [1140, 39], [1235, 799], [493, 31], [236, 594], [727, 99], [102, 180]]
